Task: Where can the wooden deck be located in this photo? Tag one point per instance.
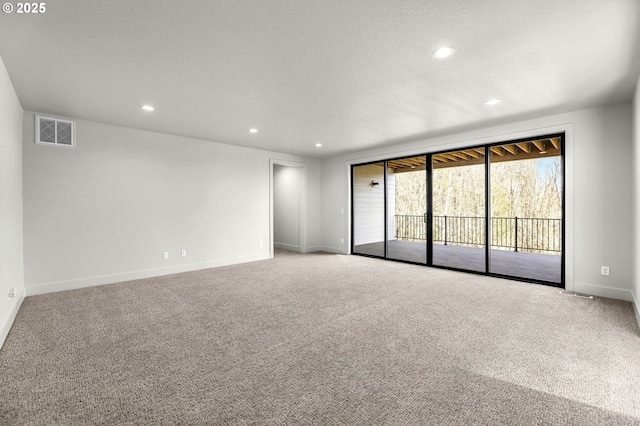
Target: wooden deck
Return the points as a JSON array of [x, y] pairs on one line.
[[543, 267]]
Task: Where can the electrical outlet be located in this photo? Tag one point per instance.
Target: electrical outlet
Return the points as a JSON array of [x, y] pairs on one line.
[[13, 293], [341, 240], [604, 270], [165, 255], [183, 253], [260, 244]]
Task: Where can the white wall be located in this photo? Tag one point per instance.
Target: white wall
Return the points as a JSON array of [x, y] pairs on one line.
[[11, 266], [599, 174], [368, 204], [286, 206], [106, 210], [636, 198]]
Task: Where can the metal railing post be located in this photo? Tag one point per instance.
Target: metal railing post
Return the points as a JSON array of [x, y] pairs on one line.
[[546, 237], [445, 230], [397, 222], [516, 233]]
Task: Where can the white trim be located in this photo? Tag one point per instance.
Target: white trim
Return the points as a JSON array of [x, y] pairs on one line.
[[314, 248], [136, 275], [289, 247], [347, 181], [636, 307], [303, 203], [600, 291], [336, 250], [8, 322]]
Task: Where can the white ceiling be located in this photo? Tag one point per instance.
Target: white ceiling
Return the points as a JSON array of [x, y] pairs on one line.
[[351, 74]]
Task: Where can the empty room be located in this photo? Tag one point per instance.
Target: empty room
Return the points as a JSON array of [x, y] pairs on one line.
[[381, 212]]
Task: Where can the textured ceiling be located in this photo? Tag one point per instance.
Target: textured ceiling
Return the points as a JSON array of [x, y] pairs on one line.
[[349, 74]]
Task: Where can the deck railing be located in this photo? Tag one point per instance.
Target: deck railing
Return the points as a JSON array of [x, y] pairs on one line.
[[534, 235]]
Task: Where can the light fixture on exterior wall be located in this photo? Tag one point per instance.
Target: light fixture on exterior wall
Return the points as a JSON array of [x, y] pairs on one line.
[[374, 183]]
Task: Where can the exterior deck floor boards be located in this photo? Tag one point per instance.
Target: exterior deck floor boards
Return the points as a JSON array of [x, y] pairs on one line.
[[534, 266]]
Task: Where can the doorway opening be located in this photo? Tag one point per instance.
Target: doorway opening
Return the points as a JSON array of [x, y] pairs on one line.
[[288, 207]]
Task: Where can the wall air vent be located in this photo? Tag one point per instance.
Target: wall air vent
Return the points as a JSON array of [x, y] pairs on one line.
[[55, 131]]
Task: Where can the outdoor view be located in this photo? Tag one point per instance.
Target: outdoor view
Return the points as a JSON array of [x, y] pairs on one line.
[[525, 209]]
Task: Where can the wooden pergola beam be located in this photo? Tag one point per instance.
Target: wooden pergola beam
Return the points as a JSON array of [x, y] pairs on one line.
[[512, 149], [460, 155], [509, 152], [497, 150], [540, 144], [450, 156], [473, 154]]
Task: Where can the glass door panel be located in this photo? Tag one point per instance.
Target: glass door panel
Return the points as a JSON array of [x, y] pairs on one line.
[[458, 223], [526, 209], [368, 210], [407, 209]]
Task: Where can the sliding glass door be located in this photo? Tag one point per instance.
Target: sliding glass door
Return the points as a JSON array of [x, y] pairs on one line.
[[368, 209], [459, 225], [407, 209], [526, 209], [495, 209]]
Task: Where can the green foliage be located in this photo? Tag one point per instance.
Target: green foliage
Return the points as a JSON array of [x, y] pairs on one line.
[[524, 188]]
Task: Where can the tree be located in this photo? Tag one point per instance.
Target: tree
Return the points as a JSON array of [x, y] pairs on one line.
[[530, 188]]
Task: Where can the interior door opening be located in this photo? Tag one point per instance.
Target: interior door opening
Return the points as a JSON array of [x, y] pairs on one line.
[[288, 206]]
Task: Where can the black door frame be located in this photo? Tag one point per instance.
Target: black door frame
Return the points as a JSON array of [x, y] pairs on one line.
[[429, 198]]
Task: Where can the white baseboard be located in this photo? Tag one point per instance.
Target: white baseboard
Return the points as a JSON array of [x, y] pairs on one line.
[[289, 247], [8, 321], [636, 307], [336, 250], [52, 287], [600, 291]]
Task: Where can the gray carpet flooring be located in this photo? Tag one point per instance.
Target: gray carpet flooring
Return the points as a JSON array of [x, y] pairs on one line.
[[321, 339]]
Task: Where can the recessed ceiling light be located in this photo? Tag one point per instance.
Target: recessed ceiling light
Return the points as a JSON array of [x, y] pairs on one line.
[[147, 107], [253, 130], [443, 52], [493, 102], [318, 145]]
